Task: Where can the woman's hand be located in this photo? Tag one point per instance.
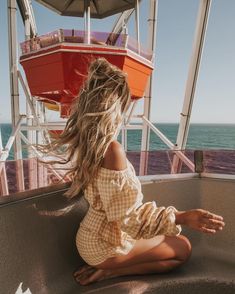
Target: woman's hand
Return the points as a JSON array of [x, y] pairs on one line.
[[200, 220]]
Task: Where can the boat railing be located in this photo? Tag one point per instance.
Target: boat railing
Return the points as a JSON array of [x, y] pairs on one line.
[[78, 37]]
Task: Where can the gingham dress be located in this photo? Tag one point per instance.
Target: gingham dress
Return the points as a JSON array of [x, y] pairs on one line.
[[117, 216]]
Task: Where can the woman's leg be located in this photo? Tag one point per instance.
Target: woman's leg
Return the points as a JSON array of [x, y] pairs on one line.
[[155, 255]]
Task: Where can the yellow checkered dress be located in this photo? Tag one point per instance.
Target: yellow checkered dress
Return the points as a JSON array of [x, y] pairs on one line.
[[117, 216]]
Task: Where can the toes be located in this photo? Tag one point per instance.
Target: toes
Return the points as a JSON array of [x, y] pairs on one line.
[[87, 274], [83, 277], [85, 280], [81, 270], [91, 276]]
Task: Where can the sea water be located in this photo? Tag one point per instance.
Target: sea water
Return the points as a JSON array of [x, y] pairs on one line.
[[201, 136]]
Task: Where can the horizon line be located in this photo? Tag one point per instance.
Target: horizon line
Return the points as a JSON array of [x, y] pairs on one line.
[[163, 122]]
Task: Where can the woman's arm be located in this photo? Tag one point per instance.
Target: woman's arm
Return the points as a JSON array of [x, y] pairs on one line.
[[200, 220], [122, 197]]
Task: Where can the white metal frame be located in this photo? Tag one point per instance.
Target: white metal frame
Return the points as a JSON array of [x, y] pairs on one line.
[[137, 18], [28, 18], [14, 88], [35, 116], [153, 8], [3, 176], [87, 21], [199, 39], [121, 21]]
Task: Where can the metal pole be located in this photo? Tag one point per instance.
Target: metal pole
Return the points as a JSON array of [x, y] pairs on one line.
[[15, 107], [27, 29], [164, 139], [123, 18], [120, 27], [137, 17], [3, 175], [134, 103], [41, 169], [200, 32], [124, 134], [45, 133], [26, 11], [148, 93], [51, 126], [87, 16]]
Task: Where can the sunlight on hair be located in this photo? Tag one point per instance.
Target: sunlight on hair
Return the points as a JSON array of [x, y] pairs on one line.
[[95, 120]]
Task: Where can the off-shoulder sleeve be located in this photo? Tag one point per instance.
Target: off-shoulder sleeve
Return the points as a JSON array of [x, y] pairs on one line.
[[122, 198]]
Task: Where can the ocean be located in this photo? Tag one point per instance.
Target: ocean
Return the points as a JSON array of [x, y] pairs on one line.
[[201, 136]]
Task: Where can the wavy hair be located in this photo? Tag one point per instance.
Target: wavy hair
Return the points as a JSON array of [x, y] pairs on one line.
[[95, 119]]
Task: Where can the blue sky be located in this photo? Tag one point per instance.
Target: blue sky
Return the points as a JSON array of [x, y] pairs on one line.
[[215, 94]]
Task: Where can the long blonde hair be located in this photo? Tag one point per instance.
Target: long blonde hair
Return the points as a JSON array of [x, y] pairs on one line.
[[95, 118]]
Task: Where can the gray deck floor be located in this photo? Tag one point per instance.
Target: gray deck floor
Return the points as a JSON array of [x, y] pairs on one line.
[[37, 243], [205, 272]]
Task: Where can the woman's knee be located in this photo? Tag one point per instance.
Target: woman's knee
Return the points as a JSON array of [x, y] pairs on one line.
[[184, 249]]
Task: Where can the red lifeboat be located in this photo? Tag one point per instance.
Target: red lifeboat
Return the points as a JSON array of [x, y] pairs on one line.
[[56, 64]]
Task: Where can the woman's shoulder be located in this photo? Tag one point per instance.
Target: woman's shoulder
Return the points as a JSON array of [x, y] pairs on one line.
[[115, 157]]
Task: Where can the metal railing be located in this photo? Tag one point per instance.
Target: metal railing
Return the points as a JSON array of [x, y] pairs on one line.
[[216, 164], [78, 37]]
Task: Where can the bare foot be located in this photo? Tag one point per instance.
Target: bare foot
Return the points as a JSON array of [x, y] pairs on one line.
[[88, 274], [82, 272], [82, 269]]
